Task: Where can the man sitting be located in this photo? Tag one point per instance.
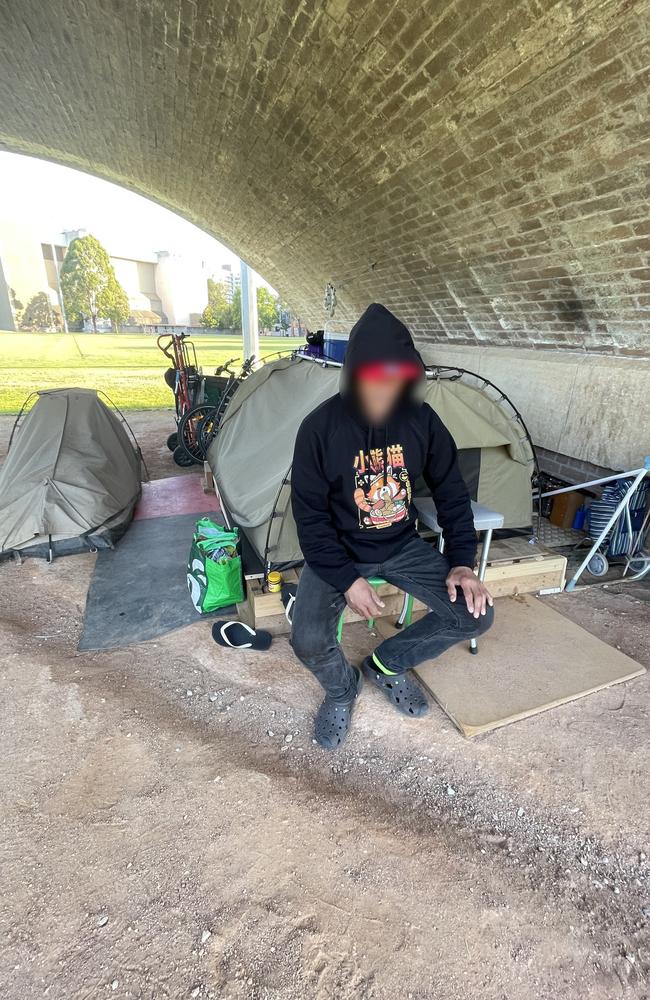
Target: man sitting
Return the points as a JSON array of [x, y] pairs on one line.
[[356, 460]]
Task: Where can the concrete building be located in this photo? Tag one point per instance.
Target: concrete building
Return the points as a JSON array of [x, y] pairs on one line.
[[166, 287], [480, 168], [182, 284], [26, 268]]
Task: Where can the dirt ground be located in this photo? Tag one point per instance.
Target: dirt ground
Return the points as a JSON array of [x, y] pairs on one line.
[[169, 830]]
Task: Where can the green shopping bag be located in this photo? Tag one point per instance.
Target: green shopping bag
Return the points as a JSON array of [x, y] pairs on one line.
[[214, 571]]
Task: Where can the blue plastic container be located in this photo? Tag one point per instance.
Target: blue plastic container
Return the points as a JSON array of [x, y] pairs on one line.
[[335, 345]]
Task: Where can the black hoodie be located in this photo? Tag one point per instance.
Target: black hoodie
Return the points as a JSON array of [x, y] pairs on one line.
[[352, 483]]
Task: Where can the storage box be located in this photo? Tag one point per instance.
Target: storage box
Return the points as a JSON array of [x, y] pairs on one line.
[[564, 509], [335, 345]]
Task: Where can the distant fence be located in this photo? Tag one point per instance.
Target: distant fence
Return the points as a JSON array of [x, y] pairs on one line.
[[155, 330], [195, 331]]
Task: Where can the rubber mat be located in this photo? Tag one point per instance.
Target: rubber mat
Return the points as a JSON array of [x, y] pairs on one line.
[[177, 495], [139, 589]]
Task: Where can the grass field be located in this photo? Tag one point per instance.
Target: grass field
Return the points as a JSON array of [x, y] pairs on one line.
[[128, 368]]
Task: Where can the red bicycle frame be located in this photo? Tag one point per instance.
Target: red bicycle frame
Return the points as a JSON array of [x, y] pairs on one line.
[[177, 349]]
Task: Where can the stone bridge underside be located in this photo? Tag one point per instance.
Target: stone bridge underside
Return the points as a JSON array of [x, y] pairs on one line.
[[480, 167]]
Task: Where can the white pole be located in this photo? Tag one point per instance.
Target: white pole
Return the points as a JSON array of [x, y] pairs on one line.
[[594, 482], [249, 321], [58, 289], [622, 505]]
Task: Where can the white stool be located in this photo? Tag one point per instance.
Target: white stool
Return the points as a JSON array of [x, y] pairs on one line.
[[485, 520]]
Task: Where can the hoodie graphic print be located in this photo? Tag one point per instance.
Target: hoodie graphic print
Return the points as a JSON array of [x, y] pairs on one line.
[[352, 484], [382, 496]]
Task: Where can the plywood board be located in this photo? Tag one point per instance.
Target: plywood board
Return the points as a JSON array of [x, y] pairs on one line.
[[533, 659]]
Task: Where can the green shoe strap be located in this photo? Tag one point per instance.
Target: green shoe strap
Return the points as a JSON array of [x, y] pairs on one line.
[[380, 666]]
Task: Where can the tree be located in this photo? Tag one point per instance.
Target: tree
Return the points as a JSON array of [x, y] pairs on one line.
[[235, 309], [284, 312], [267, 309], [218, 312], [39, 315], [16, 306], [115, 303], [89, 285], [209, 317], [226, 315]]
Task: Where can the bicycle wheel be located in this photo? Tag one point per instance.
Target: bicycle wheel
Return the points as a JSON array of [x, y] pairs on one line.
[[181, 457], [188, 432], [207, 429]]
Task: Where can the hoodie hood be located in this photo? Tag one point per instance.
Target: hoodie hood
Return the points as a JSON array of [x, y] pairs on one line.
[[376, 337]]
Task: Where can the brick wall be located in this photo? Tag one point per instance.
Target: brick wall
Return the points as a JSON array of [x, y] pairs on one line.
[[571, 469], [479, 167]]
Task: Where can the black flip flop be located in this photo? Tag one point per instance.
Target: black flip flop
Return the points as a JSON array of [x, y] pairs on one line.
[[238, 635], [289, 591]]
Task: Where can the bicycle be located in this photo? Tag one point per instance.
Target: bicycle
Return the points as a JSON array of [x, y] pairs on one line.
[[198, 426], [184, 379]]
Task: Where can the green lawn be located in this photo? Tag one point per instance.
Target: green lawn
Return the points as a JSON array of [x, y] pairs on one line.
[[128, 368]]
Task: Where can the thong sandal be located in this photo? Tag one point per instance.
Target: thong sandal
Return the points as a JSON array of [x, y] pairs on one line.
[[289, 591], [333, 718], [238, 635], [405, 693]]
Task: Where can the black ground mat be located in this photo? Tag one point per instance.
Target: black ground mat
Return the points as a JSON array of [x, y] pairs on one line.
[[139, 589]]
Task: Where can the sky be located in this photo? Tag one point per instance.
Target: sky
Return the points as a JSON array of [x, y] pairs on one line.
[[54, 198]]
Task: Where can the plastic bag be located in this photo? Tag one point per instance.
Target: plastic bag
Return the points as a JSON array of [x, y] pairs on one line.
[[214, 570]]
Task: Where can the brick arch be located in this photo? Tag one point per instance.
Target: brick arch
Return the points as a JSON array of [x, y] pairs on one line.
[[480, 168]]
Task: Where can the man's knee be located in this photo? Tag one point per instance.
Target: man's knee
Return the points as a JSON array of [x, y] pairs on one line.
[[308, 643], [478, 626], [485, 621]]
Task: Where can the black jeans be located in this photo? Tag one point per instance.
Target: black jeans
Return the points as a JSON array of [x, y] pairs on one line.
[[418, 569]]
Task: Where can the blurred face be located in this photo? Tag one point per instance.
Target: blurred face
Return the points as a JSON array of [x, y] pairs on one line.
[[379, 397]]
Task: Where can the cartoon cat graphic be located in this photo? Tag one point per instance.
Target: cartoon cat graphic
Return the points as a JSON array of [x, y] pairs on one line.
[[383, 503]]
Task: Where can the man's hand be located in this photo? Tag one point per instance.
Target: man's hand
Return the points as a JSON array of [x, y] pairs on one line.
[[477, 596], [362, 598]]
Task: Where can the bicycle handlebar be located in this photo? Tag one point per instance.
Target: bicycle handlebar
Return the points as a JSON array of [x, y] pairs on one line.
[[165, 350], [225, 367]]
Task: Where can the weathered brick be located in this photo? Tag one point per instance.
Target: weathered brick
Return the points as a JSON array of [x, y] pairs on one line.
[[479, 150]]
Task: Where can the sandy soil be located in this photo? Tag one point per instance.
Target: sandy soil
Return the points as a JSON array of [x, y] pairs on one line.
[[169, 830]]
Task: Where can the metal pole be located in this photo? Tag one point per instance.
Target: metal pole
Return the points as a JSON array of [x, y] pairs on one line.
[[58, 289], [594, 482], [594, 548], [485, 549], [249, 321]]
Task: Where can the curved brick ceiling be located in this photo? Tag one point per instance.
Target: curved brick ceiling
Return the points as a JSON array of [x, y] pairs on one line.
[[482, 168]]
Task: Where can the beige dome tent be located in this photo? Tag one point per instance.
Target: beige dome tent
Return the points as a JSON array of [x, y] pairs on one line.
[[71, 478], [252, 453]]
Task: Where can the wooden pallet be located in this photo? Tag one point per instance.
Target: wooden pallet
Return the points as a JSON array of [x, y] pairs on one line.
[[516, 568]]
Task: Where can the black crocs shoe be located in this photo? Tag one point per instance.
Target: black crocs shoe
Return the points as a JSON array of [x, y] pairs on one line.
[[402, 690], [333, 718]]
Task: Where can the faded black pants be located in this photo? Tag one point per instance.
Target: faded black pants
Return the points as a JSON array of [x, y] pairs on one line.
[[418, 569]]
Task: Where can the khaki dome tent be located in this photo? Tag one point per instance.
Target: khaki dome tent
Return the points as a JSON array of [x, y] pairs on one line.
[[252, 453], [71, 478]]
